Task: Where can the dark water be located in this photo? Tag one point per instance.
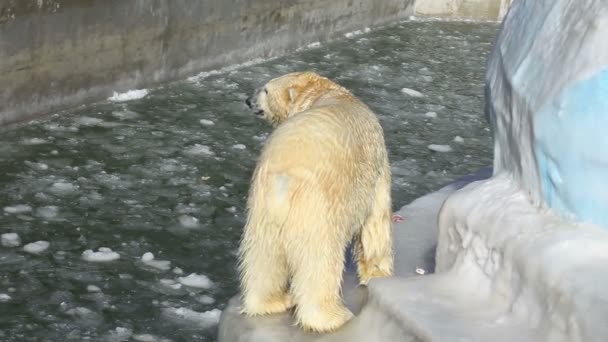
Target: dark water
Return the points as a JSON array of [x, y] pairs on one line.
[[148, 176]]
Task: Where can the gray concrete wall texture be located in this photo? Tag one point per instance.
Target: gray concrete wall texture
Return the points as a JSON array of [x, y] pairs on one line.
[[57, 54]]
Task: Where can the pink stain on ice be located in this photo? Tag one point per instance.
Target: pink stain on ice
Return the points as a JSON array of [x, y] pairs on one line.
[[398, 218]]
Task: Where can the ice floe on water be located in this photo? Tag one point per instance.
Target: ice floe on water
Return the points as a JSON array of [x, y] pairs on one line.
[[11, 240], [93, 288], [130, 95], [4, 298], [206, 122], [200, 281], [183, 315], [198, 149], [47, 212], [36, 247], [458, 139], [239, 147], [103, 254], [149, 260], [63, 188], [440, 148], [18, 209], [411, 92]]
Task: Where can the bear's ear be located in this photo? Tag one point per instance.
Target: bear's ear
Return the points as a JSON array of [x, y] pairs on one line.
[[292, 92]]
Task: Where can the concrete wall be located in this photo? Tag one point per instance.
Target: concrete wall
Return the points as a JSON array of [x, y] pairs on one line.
[[477, 9], [56, 54]]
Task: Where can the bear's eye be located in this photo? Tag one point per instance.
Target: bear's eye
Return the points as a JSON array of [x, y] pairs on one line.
[[265, 91]]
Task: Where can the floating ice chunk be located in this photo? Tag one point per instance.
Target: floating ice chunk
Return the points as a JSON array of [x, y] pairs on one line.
[[103, 254], [412, 92], [37, 166], [33, 141], [313, 45], [205, 319], [440, 148], [36, 247], [198, 149], [11, 240], [171, 283], [178, 270], [458, 139], [148, 259], [129, 95], [149, 338], [231, 210], [239, 146], [47, 212], [206, 299], [4, 298], [63, 188], [420, 270], [200, 281], [188, 221], [431, 115], [18, 209], [119, 334], [206, 122], [88, 121], [125, 115], [93, 288]]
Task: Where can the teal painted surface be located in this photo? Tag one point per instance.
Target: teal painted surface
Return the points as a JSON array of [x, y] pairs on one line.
[[571, 146]]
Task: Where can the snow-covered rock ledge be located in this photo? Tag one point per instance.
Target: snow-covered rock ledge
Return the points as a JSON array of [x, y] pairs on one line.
[[505, 272]]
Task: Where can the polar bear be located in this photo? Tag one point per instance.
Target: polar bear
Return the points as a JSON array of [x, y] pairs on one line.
[[322, 181]]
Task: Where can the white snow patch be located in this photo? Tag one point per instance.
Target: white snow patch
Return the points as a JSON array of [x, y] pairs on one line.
[[239, 147], [440, 148], [411, 92], [4, 297], [11, 240], [129, 95], [18, 209], [431, 115], [198, 149], [206, 122], [103, 254], [200, 281], [36, 247], [184, 315]]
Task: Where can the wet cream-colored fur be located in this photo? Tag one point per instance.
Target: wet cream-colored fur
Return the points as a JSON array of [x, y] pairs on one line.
[[322, 181]]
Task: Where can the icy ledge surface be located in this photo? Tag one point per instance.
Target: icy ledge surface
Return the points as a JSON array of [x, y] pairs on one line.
[[505, 272]]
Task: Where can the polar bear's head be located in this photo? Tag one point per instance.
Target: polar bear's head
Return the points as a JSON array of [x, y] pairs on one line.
[[289, 94]]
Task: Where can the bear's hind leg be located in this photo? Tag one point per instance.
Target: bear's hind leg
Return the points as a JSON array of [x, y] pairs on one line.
[[317, 263], [374, 245], [264, 278]]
